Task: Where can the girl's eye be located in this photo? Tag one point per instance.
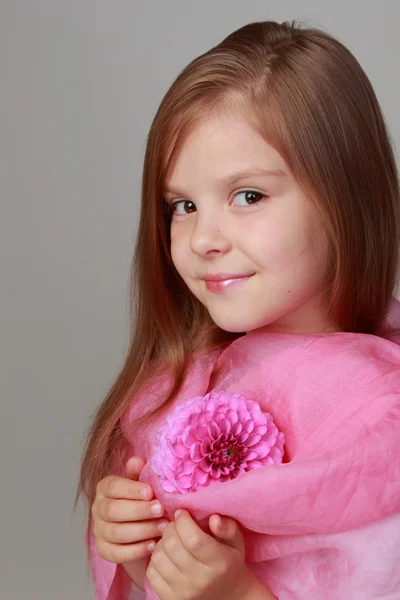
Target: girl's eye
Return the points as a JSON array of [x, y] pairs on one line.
[[172, 207], [250, 197]]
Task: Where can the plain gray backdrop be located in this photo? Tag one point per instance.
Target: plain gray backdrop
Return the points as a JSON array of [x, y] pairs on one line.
[[80, 83]]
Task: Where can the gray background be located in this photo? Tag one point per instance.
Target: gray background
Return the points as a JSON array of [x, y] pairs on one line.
[[80, 83]]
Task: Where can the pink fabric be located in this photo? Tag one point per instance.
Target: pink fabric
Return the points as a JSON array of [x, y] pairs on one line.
[[326, 522]]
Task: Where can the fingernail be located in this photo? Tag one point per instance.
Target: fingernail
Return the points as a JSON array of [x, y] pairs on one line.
[[177, 513], [151, 546], [156, 508], [145, 493], [162, 526]]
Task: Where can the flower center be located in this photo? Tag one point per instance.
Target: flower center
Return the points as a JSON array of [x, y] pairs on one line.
[[226, 453]]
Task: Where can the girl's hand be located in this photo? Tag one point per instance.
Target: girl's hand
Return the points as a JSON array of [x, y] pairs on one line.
[[124, 523], [189, 564]]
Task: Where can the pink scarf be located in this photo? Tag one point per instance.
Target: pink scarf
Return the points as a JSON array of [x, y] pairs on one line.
[[324, 524]]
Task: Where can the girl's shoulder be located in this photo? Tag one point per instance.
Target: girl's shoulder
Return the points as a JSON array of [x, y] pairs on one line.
[[335, 350], [330, 359], [158, 386]]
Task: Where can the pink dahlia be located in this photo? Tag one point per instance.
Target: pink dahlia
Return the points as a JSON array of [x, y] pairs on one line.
[[214, 438]]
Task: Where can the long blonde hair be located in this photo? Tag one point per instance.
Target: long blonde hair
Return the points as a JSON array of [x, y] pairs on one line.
[[309, 98]]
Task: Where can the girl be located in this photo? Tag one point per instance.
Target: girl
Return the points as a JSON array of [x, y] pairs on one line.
[[266, 265]]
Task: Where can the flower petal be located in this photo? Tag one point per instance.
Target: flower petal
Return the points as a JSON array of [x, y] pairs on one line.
[[243, 415], [237, 428], [262, 449], [232, 416], [195, 452], [214, 430], [255, 464], [179, 448], [248, 425], [271, 437], [168, 486], [261, 429], [201, 432], [251, 455], [205, 446], [239, 471], [205, 464], [243, 437], [215, 472], [253, 439], [203, 417], [259, 417], [192, 421], [187, 466], [200, 476], [188, 436], [184, 481], [225, 426], [276, 455]]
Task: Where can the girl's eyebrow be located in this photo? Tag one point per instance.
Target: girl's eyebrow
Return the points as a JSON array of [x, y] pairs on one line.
[[252, 172], [255, 172]]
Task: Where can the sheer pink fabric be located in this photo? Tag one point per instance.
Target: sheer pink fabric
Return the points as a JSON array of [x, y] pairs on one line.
[[324, 524]]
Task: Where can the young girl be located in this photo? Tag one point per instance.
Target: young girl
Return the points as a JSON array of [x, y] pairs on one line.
[[266, 265]]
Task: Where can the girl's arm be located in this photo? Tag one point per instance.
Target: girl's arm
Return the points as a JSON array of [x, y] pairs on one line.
[[136, 570]]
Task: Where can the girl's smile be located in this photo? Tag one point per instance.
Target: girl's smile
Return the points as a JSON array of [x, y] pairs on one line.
[[224, 284], [218, 284]]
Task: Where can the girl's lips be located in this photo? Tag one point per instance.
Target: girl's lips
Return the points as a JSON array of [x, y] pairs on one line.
[[221, 286]]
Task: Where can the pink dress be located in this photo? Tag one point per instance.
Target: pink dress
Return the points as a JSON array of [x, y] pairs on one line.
[[324, 524]]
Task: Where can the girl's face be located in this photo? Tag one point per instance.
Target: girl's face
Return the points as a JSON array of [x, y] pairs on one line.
[[230, 219]]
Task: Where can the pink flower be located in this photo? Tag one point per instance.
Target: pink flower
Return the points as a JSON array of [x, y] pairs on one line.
[[214, 438]]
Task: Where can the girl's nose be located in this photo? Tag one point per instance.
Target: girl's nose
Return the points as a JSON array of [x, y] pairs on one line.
[[209, 237]]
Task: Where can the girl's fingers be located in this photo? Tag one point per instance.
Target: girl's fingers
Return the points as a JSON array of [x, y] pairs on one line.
[[202, 546], [156, 581], [114, 486], [121, 553], [112, 510], [126, 533], [165, 567], [173, 547]]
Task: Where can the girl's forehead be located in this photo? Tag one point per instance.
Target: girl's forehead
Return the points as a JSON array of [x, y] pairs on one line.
[[225, 149], [219, 123], [233, 130]]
